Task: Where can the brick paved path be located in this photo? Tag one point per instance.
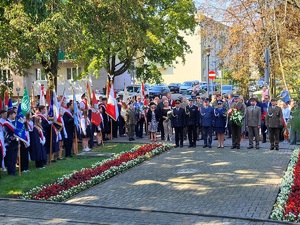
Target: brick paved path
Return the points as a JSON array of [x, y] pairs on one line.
[[183, 186]]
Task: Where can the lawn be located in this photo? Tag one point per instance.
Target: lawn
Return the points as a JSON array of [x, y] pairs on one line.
[[12, 186]]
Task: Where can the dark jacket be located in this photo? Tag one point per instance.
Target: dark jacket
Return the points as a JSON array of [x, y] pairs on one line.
[[192, 115], [178, 120], [149, 115], [220, 117], [207, 117]]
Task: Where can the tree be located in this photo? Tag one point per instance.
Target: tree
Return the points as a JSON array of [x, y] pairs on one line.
[[119, 33]]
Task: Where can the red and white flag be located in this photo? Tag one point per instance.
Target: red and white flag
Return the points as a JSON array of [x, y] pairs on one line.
[[42, 95], [96, 118], [143, 93], [112, 105], [56, 114]]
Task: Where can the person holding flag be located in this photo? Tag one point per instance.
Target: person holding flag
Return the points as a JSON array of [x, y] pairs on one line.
[[3, 117], [69, 126], [11, 143]]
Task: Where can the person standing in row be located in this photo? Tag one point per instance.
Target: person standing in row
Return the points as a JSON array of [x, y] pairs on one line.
[[220, 122], [192, 118], [274, 122], [178, 122], [69, 125], [236, 130], [207, 121], [130, 120], [167, 127], [253, 122], [152, 119]]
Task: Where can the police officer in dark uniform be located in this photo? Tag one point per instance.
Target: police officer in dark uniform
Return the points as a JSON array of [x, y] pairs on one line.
[[192, 118], [11, 143], [178, 122], [207, 121]]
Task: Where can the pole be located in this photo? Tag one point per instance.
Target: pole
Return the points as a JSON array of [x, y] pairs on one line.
[[207, 75], [50, 153], [111, 128], [19, 157], [76, 141]]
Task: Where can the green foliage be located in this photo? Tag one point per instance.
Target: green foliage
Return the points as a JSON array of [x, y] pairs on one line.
[[295, 121]]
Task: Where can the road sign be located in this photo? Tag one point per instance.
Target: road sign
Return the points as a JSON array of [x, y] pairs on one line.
[[211, 74]]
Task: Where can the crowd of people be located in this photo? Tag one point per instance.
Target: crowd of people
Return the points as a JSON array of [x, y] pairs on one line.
[[193, 119]]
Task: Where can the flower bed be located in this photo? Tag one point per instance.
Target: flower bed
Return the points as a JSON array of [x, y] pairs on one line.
[[287, 206], [69, 185]]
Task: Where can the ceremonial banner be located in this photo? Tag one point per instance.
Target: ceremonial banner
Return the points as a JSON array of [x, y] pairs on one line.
[[25, 103], [95, 116], [20, 127], [75, 106], [42, 96]]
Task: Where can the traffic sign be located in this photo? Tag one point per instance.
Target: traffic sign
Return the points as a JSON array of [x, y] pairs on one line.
[[211, 74]]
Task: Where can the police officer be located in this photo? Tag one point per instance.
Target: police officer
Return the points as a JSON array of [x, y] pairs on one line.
[[207, 121], [178, 122], [192, 118]]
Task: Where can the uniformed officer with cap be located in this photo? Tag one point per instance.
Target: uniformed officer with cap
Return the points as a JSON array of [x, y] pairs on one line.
[[192, 118], [178, 122], [207, 122]]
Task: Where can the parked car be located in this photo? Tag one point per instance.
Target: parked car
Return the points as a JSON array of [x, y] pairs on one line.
[[226, 89], [185, 85], [159, 91], [134, 90], [174, 87]]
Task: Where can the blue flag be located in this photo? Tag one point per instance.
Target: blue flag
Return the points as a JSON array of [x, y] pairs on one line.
[[20, 127], [51, 112], [76, 120], [10, 106]]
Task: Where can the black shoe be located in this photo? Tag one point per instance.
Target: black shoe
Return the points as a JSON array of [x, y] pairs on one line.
[[238, 147], [194, 146], [190, 146], [204, 146], [209, 146], [277, 148], [257, 147], [216, 138], [181, 146], [264, 141], [229, 136], [176, 146], [131, 139], [232, 147], [272, 148], [249, 147]]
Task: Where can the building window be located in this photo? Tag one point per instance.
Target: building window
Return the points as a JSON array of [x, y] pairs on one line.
[[5, 75], [73, 72], [40, 74]]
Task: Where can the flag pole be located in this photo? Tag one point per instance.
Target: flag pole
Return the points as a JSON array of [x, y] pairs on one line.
[[19, 157], [50, 153], [76, 140]]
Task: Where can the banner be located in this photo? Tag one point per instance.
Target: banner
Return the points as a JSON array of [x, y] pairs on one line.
[[112, 105], [20, 127], [95, 116], [42, 96], [75, 106], [25, 103]]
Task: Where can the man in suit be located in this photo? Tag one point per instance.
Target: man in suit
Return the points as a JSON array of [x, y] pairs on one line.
[[236, 130], [192, 118], [178, 122], [207, 118], [130, 120], [69, 126], [274, 122], [253, 122]]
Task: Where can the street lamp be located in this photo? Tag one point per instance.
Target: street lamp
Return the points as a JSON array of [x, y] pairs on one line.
[[208, 54]]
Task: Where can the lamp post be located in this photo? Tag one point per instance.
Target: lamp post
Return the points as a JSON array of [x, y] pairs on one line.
[[208, 54]]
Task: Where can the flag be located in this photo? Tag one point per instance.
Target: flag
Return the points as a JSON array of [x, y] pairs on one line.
[[50, 113], [32, 97], [125, 94], [42, 96], [88, 88], [112, 105], [10, 106], [56, 115], [25, 103], [48, 97], [6, 98], [95, 116], [62, 102], [20, 127], [143, 93], [1, 106], [75, 106]]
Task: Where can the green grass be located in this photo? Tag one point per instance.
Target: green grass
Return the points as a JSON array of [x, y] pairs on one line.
[[12, 186]]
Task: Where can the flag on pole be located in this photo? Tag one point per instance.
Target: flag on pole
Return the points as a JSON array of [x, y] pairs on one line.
[[112, 105], [48, 96], [42, 96], [25, 103], [20, 127], [32, 97], [54, 109], [10, 106], [75, 106], [88, 88], [95, 116], [6, 98], [143, 93], [107, 88], [1, 106]]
